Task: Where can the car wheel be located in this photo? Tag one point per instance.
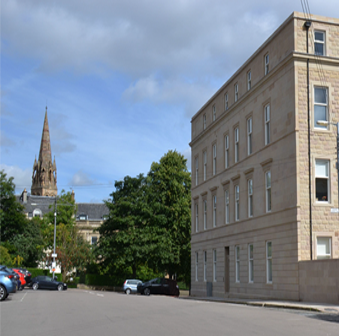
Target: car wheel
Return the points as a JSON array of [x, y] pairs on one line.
[[147, 291], [60, 287], [35, 286], [3, 293], [128, 291]]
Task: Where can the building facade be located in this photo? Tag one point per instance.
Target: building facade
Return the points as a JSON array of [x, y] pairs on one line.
[[264, 177]]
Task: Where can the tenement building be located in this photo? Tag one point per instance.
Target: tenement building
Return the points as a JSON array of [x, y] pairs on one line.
[[264, 175]]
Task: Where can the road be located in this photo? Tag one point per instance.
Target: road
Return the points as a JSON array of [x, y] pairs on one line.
[[83, 313]]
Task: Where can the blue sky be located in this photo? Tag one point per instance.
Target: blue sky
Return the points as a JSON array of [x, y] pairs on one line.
[[121, 79]]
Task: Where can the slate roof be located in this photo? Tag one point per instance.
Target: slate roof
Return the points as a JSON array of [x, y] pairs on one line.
[[93, 211]]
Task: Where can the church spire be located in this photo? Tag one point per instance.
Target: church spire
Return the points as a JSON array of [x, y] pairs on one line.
[[44, 171]]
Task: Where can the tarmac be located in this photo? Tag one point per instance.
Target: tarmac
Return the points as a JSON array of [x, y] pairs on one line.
[[306, 306]]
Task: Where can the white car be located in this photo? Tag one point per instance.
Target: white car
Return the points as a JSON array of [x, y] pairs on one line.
[[130, 286]]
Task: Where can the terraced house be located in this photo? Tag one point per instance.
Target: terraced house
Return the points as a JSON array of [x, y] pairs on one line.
[[264, 173]]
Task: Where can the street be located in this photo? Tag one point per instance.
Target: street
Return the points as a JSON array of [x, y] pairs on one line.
[[79, 312]]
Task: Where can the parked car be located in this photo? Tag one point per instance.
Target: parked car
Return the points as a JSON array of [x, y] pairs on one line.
[[27, 274], [21, 278], [159, 286], [46, 282], [10, 271], [8, 284], [130, 286]]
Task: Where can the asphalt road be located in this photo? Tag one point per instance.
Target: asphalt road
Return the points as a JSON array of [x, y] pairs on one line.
[[83, 313]]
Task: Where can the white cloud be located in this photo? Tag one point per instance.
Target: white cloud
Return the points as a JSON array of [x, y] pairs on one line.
[[81, 178], [22, 178]]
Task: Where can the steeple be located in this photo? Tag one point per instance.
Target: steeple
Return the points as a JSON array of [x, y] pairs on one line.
[[44, 177]]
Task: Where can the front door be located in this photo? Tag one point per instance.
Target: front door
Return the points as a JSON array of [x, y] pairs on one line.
[[227, 269]]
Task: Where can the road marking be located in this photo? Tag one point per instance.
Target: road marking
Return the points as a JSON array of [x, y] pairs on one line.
[[102, 295], [23, 297]]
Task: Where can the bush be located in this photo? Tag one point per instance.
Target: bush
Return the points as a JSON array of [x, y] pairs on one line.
[[74, 283], [37, 271]]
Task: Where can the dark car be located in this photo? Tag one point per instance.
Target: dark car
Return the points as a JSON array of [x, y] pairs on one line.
[[46, 282], [159, 286]]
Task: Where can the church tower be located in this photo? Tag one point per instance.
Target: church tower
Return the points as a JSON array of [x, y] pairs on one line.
[[44, 179]]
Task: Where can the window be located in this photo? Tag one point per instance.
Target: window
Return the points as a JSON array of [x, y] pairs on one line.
[[324, 247], [249, 136], [267, 64], [250, 263], [237, 263], [250, 198], [226, 101], [236, 190], [227, 145], [204, 121], [322, 180], [37, 213], [214, 114], [205, 214], [94, 240], [205, 265], [320, 106], [196, 171], [214, 211], [319, 43], [249, 80], [82, 217], [214, 159], [235, 93], [268, 190], [269, 262], [205, 165], [227, 207], [267, 124], [214, 265], [196, 218], [236, 145], [196, 265]]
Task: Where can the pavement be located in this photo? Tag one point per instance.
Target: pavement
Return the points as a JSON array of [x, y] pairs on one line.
[[306, 306]]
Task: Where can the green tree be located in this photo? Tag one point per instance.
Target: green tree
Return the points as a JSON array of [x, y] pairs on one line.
[[125, 238], [169, 198], [12, 217], [72, 250], [5, 257]]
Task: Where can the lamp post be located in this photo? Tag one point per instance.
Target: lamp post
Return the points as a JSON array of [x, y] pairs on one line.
[[326, 123], [55, 214]]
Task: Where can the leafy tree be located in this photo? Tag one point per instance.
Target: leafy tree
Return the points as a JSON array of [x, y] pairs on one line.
[[5, 257], [169, 197], [72, 250], [125, 238], [12, 217]]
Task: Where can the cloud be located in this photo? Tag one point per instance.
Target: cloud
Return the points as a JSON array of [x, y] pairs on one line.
[[22, 178], [5, 141], [81, 178]]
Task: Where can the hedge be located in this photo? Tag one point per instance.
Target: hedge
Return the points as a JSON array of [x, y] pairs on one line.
[[37, 271]]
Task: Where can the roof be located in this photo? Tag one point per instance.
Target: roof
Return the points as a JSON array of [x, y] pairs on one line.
[[92, 210]]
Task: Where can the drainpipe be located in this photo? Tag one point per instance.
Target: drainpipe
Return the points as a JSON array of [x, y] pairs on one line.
[[307, 25]]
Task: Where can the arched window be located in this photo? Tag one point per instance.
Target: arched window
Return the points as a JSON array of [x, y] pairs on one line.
[[37, 213]]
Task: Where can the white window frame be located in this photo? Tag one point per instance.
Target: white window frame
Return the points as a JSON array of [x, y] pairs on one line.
[[205, 266], [214, 265], [214, 200], [237, 204], [320, 175], [205, 165], [196, 171], [249, 136], [322, 105], [214, 113], [268, 187], [204, 121], [328, 249], [236, 144], [269, 273], [214, 165], [250, 263], [237, 263], [267, 63], [196, 265], [249, 80], [250, 197], [320, 42], [196, 217], [236, 92], [205, 214], [267, 115], [227, 206], [226, 101], [227, 147]]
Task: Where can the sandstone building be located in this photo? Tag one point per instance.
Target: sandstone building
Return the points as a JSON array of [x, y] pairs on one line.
[[264, 176]]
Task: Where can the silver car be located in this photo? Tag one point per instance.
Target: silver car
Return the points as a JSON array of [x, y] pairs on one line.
[[130, 286]]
